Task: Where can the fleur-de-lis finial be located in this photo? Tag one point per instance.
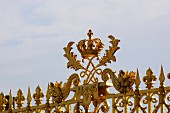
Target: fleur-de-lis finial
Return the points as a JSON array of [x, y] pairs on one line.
[[149, 78], [20, 98], [38, 95], [3, 101]]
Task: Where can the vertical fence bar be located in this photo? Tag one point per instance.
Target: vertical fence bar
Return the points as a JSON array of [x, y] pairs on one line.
[[161, 89], [10, 102], [70, 108], [137, 98], [125, 104], [148, 79], [149, 103], [113, 104]]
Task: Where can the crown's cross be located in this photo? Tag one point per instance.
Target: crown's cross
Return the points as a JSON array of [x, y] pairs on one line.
[[90, 34]]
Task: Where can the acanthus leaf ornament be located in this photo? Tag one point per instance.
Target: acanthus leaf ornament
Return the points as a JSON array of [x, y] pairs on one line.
[[72, 58], [109, 56]]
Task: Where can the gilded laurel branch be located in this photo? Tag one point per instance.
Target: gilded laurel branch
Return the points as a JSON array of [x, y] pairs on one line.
[[72, 58], [109, 56]]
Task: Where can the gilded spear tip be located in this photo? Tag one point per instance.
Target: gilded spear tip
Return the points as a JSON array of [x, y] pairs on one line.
[[29, 98], [137, 82], [10, 100], [162, 76], [48, 92]]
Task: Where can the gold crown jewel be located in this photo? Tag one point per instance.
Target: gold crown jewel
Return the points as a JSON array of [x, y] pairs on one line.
[[90, 47]]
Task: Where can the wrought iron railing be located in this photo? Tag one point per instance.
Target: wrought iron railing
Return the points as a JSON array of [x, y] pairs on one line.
[[93, 92]]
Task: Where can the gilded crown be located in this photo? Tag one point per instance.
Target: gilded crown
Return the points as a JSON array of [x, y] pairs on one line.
[[90, 47]]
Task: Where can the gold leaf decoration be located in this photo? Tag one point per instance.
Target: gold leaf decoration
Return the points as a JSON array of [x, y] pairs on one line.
[[72, 58], [109, 56]]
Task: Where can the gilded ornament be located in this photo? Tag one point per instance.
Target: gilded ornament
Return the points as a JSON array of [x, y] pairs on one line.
[[137, 81], [20, 98], [109, 55], [72, 58], [60, 92], [149, 78], [10, 101], [29, 99], [123, 83], [93, 90], [89, 49], [3, 101], [38, 95], [162, 76]]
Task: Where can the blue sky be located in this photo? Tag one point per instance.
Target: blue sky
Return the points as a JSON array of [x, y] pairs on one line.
[[33, 34]]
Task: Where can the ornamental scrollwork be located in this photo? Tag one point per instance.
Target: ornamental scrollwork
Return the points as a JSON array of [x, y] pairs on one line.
[[90, 49], [60, 92], [123, 82]]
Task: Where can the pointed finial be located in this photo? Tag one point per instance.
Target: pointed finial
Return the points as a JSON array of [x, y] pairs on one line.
[[90, 34], [48, 93], [29, 98], [162, 76], [10, 100], [137, 82]]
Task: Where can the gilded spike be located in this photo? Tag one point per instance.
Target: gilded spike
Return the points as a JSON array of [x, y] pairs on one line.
[[48, 93], [137, 82], [10, 100], [162, 76], [20, 98], [29, 98]]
